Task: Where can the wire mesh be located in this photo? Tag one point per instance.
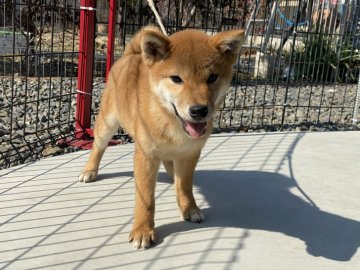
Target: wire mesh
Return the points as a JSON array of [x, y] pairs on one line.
[[38, 65]]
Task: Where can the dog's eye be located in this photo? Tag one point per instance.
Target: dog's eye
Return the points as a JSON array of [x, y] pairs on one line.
[[176, 79], [212, 78]]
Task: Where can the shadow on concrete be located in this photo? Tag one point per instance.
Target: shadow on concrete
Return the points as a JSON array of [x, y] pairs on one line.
[[55, 224], [258, 200], [263, 201]]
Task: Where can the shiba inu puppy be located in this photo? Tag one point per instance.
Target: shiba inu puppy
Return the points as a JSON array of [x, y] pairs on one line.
[[164, 91]]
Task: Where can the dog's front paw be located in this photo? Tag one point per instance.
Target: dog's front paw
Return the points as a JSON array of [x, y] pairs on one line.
[[142, 237], [88, 176], [193, 215]]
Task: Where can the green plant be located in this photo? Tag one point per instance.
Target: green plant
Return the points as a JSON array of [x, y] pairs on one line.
[[315, 61], [349, 63], [320, 59]]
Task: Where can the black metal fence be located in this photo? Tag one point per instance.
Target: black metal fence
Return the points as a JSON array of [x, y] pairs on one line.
[[297, 70], [38, 68]]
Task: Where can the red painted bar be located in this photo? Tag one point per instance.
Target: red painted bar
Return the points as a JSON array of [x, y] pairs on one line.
[[111, 36], [85, 68]]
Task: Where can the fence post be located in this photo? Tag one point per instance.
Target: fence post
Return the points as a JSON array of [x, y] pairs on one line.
[[85, 68], [357, 103], [111, 36]]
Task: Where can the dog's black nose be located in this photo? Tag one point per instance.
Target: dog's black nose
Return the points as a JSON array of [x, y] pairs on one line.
[[198, 112]]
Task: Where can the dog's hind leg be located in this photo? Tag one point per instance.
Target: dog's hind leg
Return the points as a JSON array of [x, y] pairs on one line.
[[105, 127], [169, 167], [184, 171]]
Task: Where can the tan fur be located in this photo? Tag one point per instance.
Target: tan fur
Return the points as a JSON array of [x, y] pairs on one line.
[[141, 97]]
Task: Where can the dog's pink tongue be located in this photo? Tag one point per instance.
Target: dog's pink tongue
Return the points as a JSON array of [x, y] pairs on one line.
[[195, 130]]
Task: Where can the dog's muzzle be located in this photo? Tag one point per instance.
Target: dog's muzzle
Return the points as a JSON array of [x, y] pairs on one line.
[[197, 128]]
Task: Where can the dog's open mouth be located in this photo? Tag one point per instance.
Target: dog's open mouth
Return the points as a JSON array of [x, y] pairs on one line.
[[194, 129]]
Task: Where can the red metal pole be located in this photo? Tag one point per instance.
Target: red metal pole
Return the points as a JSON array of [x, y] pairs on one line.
[[85, 68], [111, 36]]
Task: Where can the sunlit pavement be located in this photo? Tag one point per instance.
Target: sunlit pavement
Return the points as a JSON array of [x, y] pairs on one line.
[[271, 201]]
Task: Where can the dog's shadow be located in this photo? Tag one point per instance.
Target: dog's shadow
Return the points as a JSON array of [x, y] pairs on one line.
[[263, 201]]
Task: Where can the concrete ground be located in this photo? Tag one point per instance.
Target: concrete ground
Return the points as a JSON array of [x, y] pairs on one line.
[[271, 201]]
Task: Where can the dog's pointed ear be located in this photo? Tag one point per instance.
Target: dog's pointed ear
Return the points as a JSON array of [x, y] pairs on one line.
[[154, 45], [229, 43]]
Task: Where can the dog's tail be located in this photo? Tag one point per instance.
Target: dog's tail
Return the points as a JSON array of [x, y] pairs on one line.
[[134, 46]]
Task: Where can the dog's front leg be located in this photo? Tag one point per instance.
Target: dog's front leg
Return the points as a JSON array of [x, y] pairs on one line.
[[184, 168], [105, 127], [145, 168]]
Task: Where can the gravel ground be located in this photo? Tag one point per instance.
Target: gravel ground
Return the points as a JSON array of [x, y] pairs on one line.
[[34, 112], [316, 108]]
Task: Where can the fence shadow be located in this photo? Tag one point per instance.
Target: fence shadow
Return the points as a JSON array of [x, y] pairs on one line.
[[259, 200], [75, 224], [263, 201]]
